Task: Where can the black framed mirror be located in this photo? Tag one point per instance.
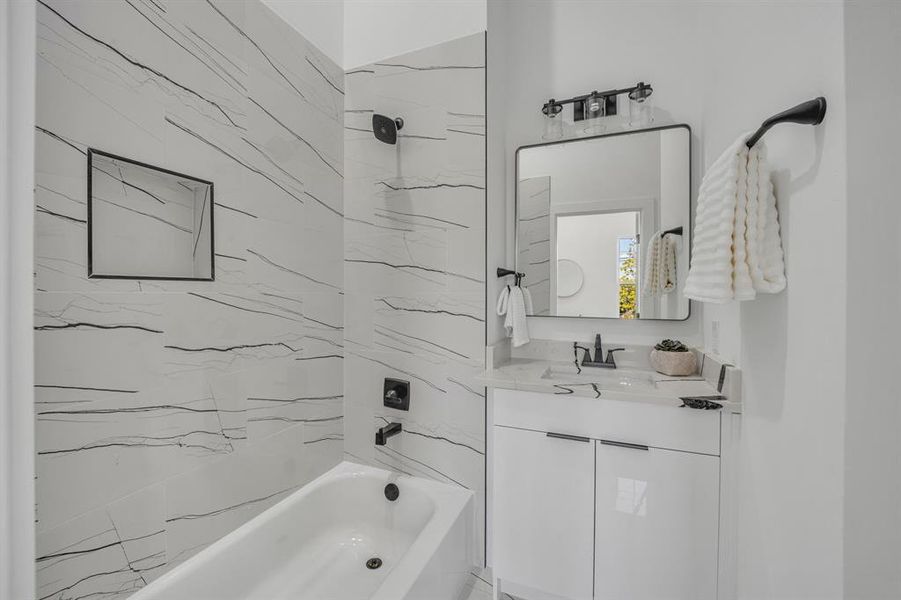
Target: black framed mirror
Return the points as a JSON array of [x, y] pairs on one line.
[[603, 224]]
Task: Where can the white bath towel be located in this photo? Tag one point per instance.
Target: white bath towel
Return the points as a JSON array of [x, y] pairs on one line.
[[737, 248], [515, 322], [766, 260], [660, 264]]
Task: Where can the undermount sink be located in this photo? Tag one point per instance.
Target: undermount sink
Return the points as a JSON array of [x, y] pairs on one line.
[[604, 378]]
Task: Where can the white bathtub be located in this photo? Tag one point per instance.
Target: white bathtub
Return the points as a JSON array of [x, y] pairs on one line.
[[314, 545]]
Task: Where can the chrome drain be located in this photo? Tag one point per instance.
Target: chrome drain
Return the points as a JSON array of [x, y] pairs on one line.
[[374, 563]]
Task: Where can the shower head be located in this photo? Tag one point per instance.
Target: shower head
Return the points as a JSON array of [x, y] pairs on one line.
[[386, 128]]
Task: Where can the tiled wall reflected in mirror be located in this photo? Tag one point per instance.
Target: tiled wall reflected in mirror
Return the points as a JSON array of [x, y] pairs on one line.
[[145, 222]]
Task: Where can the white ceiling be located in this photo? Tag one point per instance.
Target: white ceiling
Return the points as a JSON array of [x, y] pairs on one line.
[[320, 21], [359, 32]]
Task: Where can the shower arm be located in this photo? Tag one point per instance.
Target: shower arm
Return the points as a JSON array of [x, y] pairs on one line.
[[806, 113]]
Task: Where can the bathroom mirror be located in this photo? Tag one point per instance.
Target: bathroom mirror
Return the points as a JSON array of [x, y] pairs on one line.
[[147, 223], [613, 212]]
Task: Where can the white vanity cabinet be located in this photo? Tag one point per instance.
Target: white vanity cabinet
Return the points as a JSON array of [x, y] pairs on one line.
[[599, 499], [544, 486], [656, 524]]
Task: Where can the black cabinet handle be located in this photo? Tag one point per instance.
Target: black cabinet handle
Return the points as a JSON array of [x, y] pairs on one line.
[[566, 436], [624, 445]]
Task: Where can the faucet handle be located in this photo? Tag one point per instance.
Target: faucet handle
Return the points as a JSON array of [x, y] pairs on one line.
[[610, 359]]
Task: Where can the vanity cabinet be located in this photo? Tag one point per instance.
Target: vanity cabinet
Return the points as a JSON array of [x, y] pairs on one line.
[[599, 499], [656, 524], [544, 485]]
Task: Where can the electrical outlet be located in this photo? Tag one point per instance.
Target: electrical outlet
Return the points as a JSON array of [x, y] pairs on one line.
[[715, 337]]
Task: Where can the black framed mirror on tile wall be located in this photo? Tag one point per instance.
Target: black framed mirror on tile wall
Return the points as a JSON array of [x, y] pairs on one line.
[[603, 224], [146, 222]]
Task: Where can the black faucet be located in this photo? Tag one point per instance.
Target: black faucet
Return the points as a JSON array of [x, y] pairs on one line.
[[383, 433], [597, 361]]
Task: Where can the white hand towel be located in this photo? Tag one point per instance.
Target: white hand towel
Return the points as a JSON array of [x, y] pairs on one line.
[[666, 262], [527, 301], [737, 249], [515, 323], [651, 265], [502, 301], [660, 264]]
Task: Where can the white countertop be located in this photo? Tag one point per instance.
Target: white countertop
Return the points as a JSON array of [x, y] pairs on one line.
[[627, 383]]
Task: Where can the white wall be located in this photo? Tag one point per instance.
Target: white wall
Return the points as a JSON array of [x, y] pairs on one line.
[[17, 47], [378, 29], [792, 346], [551, 49], [873, 414], [320, 21]]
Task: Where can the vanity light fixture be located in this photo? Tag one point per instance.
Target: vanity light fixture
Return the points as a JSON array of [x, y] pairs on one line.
[[597, 104], [553, 124]]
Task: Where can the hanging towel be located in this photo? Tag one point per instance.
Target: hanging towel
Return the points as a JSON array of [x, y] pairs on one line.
[[670, 244], [737, 248], [515, 323], [502, 300], [766, 260], [651, 263], [660, 264], [527, 300]]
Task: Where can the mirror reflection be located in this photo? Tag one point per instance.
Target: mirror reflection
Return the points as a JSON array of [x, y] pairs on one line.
[[602, 225]]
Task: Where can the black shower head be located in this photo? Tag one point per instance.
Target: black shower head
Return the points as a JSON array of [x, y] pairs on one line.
[[385, 128]]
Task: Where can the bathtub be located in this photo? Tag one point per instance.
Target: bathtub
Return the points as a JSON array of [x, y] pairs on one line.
[[315, 544]]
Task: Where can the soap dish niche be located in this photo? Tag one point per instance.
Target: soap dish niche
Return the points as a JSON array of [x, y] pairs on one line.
[[146, 222]]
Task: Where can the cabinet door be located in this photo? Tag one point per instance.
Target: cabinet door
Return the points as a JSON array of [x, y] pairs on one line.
[[657, 519], [544, 511]]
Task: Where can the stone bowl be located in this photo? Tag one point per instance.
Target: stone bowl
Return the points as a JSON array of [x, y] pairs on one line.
[[677, 364]]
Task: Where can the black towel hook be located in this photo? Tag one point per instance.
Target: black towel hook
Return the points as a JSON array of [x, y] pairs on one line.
[[501, 272], [806, 113]]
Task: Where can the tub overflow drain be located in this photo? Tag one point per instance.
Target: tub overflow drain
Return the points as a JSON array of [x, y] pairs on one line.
[[374, 563], [392, 492]]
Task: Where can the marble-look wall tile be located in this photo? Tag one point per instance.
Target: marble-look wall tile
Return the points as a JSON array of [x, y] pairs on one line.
[[110, 552], [170, 412], [414, 253]]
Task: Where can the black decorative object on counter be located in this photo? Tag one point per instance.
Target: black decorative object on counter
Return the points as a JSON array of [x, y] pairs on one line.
[[703, 402], [671, 346]]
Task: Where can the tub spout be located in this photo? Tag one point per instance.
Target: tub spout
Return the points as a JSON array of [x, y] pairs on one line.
[[383, 433]]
